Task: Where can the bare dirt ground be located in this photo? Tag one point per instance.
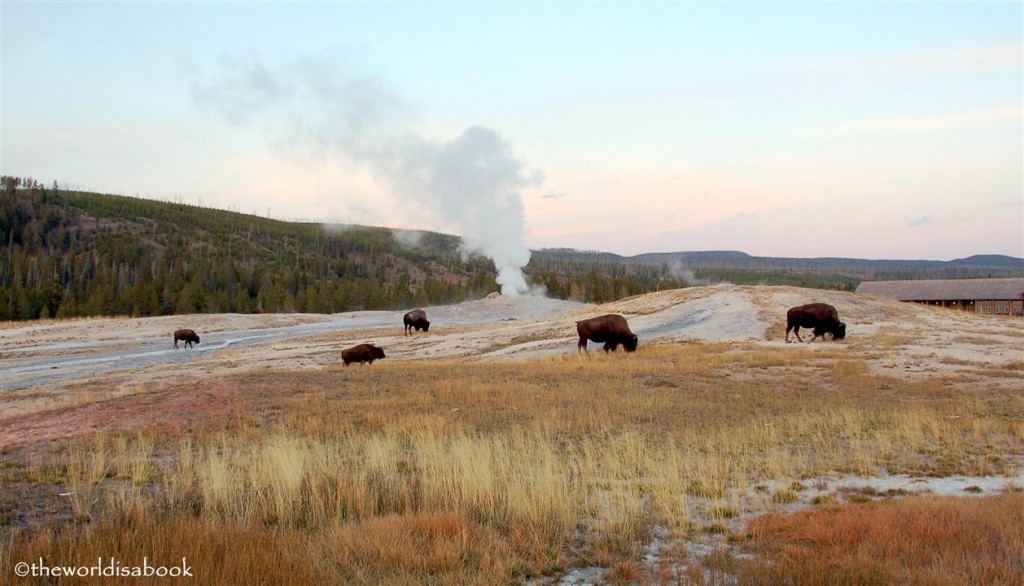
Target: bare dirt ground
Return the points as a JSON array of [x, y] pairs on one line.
[[59, 378]]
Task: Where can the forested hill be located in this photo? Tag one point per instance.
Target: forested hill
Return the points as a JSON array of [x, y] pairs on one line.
[[69, 253], [80, 254]]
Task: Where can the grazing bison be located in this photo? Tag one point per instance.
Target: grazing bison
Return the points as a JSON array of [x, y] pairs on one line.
[[362, 353], [611, 329], [189, 336], [416, 318], [823, 318]]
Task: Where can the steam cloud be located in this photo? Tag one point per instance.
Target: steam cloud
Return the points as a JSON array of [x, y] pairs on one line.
[[470, 182]]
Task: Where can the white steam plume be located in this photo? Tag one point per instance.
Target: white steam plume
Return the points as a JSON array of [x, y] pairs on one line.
[[470, 182]]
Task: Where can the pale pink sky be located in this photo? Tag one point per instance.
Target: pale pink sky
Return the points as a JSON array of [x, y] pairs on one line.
[[883, 130]]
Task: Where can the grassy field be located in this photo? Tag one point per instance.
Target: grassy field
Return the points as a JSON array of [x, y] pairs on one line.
[[466, 472]]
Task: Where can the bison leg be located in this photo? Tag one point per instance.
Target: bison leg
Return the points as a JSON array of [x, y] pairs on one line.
[[582, 345], [820, 333], [796, 331]]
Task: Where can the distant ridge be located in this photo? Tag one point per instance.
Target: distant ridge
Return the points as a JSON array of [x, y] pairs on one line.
[[698, 254], [990, 260], [822, 272], [708, 257]]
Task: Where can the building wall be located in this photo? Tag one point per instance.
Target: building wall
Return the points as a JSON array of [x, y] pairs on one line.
[[1004, 307], [999, 307]]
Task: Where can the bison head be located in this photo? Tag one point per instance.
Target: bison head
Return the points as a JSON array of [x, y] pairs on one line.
[[630, 343], [840, 332], [426, 326], [378, 352]]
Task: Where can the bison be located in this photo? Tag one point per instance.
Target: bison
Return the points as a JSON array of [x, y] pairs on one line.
[[416, 318], [611, 329], [362, 353], [823, 318], [189, 336]]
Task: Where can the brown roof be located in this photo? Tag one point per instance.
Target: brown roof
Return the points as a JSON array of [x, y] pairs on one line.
[[946, 289]]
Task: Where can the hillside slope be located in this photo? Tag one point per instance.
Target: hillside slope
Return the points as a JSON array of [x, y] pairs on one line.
[[72, 254]]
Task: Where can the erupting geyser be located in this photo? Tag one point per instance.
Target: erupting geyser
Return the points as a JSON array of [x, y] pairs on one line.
[[470, 183]]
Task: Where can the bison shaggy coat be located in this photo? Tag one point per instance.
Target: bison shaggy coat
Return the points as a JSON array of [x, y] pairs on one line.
[[611, 329], [821, 317], [416, 318], [362, 353], [188, 336]]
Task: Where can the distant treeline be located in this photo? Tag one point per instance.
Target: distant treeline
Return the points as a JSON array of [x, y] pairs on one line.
[[648, 275], [739, 268], [73, 254]]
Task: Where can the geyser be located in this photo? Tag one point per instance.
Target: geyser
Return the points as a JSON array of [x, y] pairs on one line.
[[469, 183]]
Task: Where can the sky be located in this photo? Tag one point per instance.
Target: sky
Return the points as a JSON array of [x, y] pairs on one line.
[[799, 129]]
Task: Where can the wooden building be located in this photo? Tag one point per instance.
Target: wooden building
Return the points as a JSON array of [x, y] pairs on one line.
[[986, 296]]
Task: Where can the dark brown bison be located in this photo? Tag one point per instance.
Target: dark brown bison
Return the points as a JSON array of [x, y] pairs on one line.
[[611, 329], [362, 353], [822, 317], [416, 318], [189, 336]]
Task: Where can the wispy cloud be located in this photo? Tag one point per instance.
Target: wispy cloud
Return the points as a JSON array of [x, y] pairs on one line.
[[1002, 115], [1017, 203], [555, 195], [922, 221]]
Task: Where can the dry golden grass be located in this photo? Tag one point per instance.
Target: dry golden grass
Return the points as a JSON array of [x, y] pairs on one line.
[[918, 540], [471, 472]]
